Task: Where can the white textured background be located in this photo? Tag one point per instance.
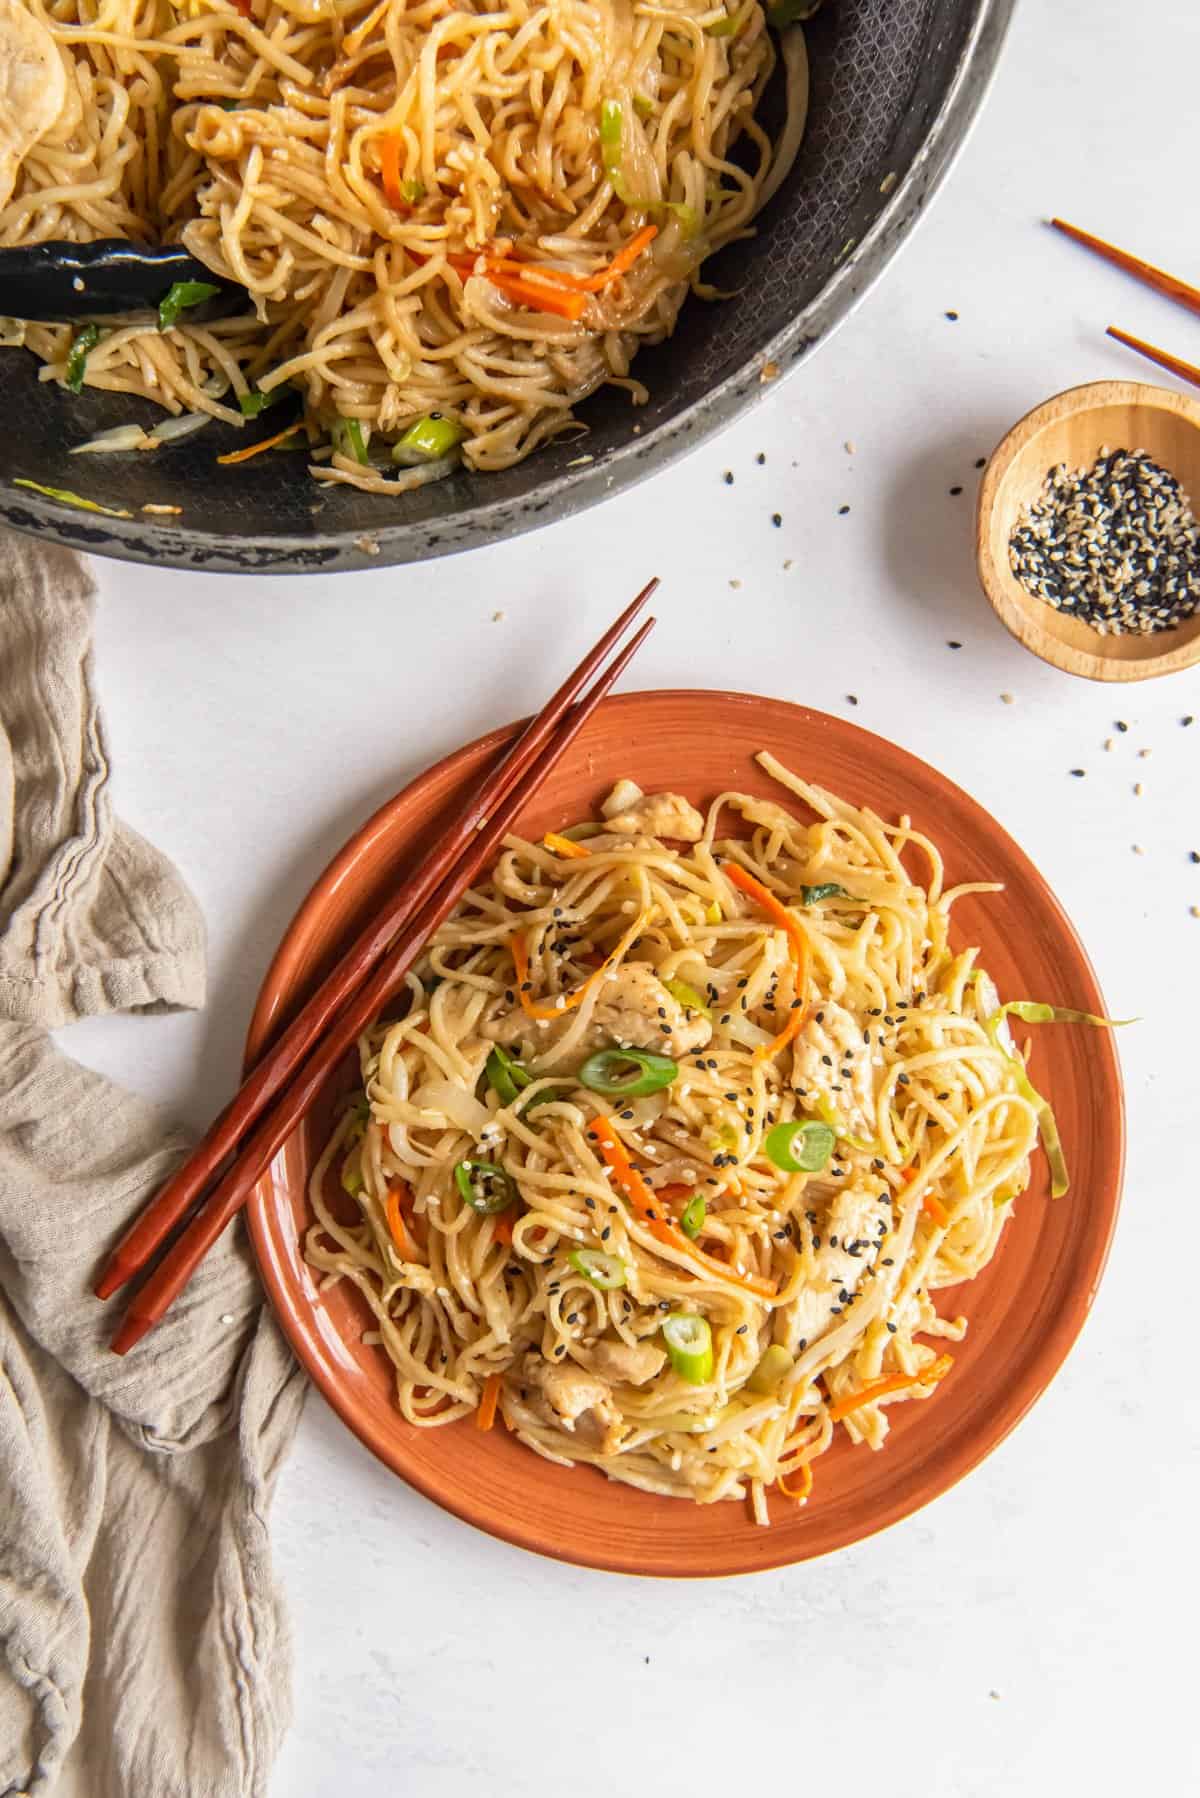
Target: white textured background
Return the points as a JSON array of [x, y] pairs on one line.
[[1035, 1627]]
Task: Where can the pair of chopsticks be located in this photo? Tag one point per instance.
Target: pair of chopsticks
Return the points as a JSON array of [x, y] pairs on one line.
[[1149, 276], [285, 1082]]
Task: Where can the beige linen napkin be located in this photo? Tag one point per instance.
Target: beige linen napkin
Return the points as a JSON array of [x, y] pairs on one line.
[[143, 1646]]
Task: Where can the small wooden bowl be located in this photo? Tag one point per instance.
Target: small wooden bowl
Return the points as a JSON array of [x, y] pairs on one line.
[[1073, 428]]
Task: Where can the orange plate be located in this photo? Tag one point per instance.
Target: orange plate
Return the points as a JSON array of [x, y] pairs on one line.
[[1025, 1310]]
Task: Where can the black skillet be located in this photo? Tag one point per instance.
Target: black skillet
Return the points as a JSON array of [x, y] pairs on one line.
[[66, 281]]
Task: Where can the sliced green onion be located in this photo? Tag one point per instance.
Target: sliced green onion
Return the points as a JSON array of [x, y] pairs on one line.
[[791, 12], [179, 297], [603, 1271], [1031, 1012], [689, 1344], [258, 401], [694, 1214], [829, 1116], [352, 1175], [67, 498], [485, 1187], [431, 436], [412, 191], [830, 890], [687, 996], [643, 106], [611, 123], [506, 1077], [768, 1375], [801, 1147], [602, 1073], [348, 440], [85, 341]]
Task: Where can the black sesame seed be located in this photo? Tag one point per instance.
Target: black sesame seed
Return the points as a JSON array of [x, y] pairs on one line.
[[953, 317], [954, 492], [953, 643], [1078, 773], [727, 477], [842, 511]]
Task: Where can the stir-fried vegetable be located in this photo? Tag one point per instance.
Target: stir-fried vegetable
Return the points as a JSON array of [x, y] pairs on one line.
[[397, 1194], [506, 1076], [485, 1416], [84, 343], [256, 449], [690, 1346], [179, 297], [402, 195], [348, 440], [691, 1221], [687, 996], [768, 1375], [253, 403], [564, 846], [827, 890], [485, 1187], [432, 436], [611, 129], [896, 1382], [565, 1001], [67, 498], [800, 1147], [779, 914], [627, 1073], [732, 24], [606, 1272]]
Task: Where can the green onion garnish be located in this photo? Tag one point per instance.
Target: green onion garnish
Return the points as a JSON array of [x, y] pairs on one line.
[[627, 1073], [348, 440], [801, 1147], [256, 401], [687, 996], [689, 1344], [506, 1077], [603, 1271], [179, 297], [485, 1187], [67, 498], [694, 1213], [432, 436], [85, 341], [830, 890], [767, 1375]]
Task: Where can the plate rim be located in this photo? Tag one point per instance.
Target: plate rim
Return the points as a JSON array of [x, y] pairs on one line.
[[991, 1431]]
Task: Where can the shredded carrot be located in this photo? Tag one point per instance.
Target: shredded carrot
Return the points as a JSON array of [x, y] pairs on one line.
[[937, 1370], [243, 7], [565, 1001], [502, 1229], [643, 1200], [624, 259], [936, 1210], [538, 298], [256, 449], [798, 1498], [774, 908], [405, 1246], [795, 1023], [485, 1417], [564, 846], [389, 168]]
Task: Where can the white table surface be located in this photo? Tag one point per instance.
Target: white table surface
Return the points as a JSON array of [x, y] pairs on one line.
[[1034, 1626]]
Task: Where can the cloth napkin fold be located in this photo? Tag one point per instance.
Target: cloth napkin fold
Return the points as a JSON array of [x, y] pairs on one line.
[[143, 1646]]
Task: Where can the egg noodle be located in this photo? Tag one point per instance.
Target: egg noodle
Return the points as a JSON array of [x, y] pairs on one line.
[[676, 1141], [453, 221]]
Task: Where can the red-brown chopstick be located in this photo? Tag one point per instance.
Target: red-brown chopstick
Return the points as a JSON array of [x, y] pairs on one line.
[[1187, 371], [1145, 272], [171, 1275], [172, 1203]]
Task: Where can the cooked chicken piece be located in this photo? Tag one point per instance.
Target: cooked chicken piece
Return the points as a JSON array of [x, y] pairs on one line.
[[850, 1238], [631, 813], [570, 1392], [847, 1079], [33, 88], [629, 1364], [634, 1009]]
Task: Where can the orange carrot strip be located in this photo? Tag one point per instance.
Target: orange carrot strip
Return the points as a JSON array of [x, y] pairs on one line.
[[405, 1246], [642, 1198], [624, 259], [255, 449], [485, 1417], [502, 1229], [774, 908], [937, 1370], [538, 298], [389, 168], [565, 1001], [798, 1498], [935, 1209], [564, 846]]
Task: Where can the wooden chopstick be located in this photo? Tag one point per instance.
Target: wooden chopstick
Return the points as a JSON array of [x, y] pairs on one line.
[[1187, 371], [363, 1005], [1145, 272], [172, 1203]]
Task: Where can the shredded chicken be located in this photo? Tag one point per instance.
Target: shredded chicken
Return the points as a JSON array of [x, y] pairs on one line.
[[570, 1392], [634, 1009], [631, 813], [629, 1364], [850, 1236], [847, 1079]]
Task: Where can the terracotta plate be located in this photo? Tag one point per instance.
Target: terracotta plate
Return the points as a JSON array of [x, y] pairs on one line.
[[1025, 1310]]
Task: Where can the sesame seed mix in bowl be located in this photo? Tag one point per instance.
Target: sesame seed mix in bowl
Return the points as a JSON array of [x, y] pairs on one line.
[[1115, 545]]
